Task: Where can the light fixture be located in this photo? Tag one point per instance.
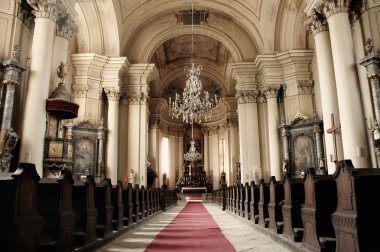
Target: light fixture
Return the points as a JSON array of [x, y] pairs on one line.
[[194, 105], [192, 155]]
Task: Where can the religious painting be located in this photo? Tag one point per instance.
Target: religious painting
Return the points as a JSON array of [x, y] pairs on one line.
[[55, 149], [197, 135], [303, 154], [84, 156]]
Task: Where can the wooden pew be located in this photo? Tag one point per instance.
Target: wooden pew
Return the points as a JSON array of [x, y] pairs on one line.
[[276, 192], [238, 196], [136, 204], [294, 191], [54, 201], [235, 200], [118, 207], [254, 203], [247, 192], [128, 205], [105, 210], [228, 198], [20, 222], [241, 200], [142, 211], [147, 202], [263, 204], [84, 207], [320, 203], [356, 219]]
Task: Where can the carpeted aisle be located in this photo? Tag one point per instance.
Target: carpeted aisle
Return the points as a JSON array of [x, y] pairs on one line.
[[192, 230]]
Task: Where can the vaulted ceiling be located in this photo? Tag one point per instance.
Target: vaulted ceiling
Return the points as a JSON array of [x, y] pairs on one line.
[[150, 31]]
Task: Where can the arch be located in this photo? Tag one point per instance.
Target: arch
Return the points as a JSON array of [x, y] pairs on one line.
[[98, 29]]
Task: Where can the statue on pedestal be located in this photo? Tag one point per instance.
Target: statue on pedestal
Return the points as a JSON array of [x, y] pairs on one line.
[[132, 177]]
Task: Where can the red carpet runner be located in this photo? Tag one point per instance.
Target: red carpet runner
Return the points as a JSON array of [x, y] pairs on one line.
[[192, 230]]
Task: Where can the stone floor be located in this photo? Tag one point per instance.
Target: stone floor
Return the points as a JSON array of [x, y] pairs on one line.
[[242, 235]]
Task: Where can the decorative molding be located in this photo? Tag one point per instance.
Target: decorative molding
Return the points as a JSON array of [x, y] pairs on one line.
[[271, 91], [305, 87], [248, 96], [66, 26], [113, 93], [44, 8], [316, 22], [25, 15], [331, 7], [344, 220], [79, 91]]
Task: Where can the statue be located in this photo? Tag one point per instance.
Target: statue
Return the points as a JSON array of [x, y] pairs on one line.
[[10, 141], [368, 47], [132, 177], [61, 71], [151, 175], [256, 174]]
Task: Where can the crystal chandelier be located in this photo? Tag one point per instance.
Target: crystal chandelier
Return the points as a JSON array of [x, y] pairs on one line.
[[193, 104], [192, 155]]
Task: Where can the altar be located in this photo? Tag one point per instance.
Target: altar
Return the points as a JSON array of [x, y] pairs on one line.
[[202, 189]]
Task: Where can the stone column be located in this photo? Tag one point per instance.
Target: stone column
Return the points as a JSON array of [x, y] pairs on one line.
[[139, 76], [206, 151], [233, 149], [65, 30], [317, 24], [246, 87], [215, 166], [112, 168], [273, 132], [372, 64], [11, 76], [154, 146], [34, 122], [349, 102]]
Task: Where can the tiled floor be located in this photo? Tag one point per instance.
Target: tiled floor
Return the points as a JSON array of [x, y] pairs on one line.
[[242, 235]]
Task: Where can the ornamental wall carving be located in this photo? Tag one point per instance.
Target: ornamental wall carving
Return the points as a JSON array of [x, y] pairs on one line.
[[305, 87], [44, 8]]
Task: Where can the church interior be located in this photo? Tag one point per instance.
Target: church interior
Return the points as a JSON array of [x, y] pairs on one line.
[[115, 112]]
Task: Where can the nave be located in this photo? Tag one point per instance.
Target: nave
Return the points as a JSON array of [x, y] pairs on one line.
[[242, 235]]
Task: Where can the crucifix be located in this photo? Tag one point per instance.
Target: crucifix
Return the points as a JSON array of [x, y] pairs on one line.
[[333, 130]]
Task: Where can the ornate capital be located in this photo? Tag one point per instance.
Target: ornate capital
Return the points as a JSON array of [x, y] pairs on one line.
[[12, 71], [137, 98], [206, 131], [79, 91], [113, 94], [44, 8], [154, 124], [316, 22], [247, 96], [331, 7], [305, 87], [271, 91]]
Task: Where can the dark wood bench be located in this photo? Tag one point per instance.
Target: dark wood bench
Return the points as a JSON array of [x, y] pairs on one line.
[[118, 206], [263, 204], [54, 201], [20, 222], [86, 213], [142, 211], [241, 200], [320, 203], [103, 204], [294, 192], [276, 192], [128, 205], [254, 203], [147, 202], [247, 192], [235, 199], [356, 219], [136, 204], [228, 198]]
